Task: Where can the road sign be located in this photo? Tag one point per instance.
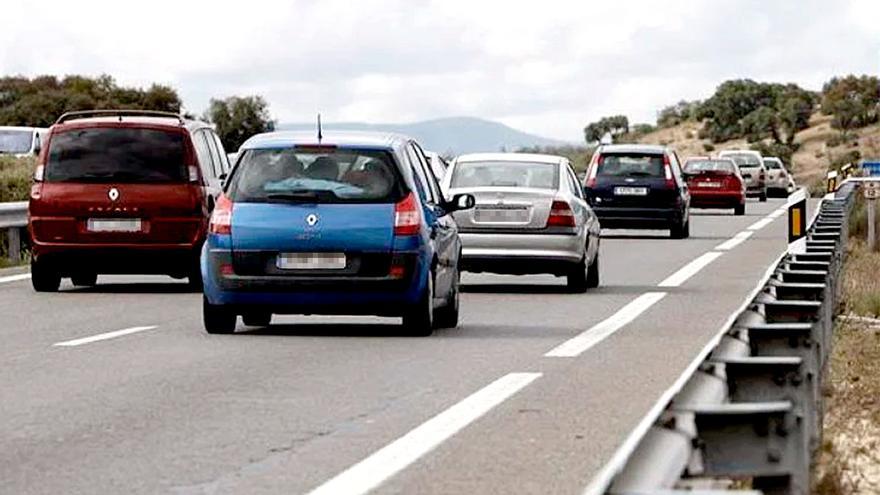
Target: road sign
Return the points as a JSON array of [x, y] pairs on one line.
[[871, 189], [871, 168]]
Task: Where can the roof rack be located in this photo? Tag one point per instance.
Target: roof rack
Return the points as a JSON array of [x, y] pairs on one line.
[[83, 114]]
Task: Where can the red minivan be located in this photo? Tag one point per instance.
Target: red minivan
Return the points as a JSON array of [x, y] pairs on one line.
[[122, 192]]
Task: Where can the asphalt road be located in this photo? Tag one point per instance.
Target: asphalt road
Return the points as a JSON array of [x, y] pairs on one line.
[[533, 393]]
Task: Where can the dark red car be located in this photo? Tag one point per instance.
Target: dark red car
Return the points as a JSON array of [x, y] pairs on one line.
[[123, 192], [715, 183]]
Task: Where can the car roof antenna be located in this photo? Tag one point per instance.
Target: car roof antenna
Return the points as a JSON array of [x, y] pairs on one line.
[[320, 133]]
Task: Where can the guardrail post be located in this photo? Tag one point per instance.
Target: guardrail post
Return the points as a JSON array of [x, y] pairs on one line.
[[13, 240]]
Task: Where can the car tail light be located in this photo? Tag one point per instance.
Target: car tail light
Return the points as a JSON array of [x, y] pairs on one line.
[[227, 270], [667, 171], [193, 172], [560, 215], [407, 218], [593, 171], [221, 218]]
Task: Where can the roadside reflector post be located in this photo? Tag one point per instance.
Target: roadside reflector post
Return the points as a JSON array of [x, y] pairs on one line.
[[831, 185], [872, 192], [797, 222]]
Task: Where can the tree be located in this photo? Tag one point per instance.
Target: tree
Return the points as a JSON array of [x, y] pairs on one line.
[[40, 101], [615, 125], [237, 118], [854, 101], [678, 113]]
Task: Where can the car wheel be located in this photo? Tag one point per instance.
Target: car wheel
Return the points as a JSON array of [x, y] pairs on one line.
[[577, 277], [216, 318], [739, 210], [419, 318], [593, 273], [447, 316], [257, 319], [44, 278], [763, 197], [85, 279]]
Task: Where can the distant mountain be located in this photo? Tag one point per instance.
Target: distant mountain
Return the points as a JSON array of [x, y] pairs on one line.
[[453, 136]]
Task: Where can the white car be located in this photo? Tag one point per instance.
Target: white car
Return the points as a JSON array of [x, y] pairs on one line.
[[751, 165], [779, 181], [21, 141]]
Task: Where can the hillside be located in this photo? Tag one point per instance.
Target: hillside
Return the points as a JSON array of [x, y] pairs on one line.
[[809, 163], [455, 135]]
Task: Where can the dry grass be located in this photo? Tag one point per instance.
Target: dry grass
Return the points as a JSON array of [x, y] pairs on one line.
[[15, 178]]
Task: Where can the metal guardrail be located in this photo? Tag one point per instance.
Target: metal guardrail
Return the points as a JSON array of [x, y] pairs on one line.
[[14, 218], [751, 406]]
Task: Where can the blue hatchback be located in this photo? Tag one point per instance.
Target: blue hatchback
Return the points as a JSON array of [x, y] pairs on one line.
[[351, 224]]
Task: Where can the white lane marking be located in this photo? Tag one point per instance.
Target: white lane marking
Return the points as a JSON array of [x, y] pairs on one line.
[[760, 224], [15, 278], [602, 481], [734, 241], [778, 213], [604, 329], [689, 270], [396, 456], [103, 336]]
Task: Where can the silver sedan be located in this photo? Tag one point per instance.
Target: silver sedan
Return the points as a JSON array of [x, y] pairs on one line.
[[530, 217]]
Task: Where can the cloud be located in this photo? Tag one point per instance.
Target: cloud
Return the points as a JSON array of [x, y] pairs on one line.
[[547, 67]]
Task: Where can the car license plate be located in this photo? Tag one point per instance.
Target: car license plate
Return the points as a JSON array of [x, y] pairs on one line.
[[311, 261], [501, 215], [630, 191], [114, 225], [710, 184]]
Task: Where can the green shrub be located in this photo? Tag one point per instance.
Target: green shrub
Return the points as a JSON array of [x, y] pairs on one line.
[[708, 147], [15, 178]]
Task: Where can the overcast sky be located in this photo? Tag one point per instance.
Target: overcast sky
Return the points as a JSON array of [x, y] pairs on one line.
[[547, 66]]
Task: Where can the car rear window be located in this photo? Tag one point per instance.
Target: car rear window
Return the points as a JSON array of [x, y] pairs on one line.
[[535, 175], [744, 159], [15, 141], [772, 164], [697, 166], [315, 176], [631, 165], [117, 155]]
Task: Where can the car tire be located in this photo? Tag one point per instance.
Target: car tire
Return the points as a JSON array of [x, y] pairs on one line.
[[257, 319], [577, 277], [739, 210], [44, 277], [85, 280], [217, 319], [680, 231], [763, 197], [419, 318], [447, 316], [593, 273]]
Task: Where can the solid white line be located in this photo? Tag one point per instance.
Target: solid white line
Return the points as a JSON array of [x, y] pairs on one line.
[[604, 329], [103, 336], [760, 224], [734, 241], [689, 270], [15, 278], [394, 457]]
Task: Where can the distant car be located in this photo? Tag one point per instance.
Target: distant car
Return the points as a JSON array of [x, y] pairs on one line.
[[531, 217], [715, 183], [122, 192], [779, 181], [438, 164], [751, 166], [639, 187], [21, 141], [354, 223]]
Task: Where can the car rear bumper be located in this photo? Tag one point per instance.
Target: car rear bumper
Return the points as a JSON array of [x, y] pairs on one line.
[[331, 295], [711, 199], [124, 259], [521, 253], [637, 218]]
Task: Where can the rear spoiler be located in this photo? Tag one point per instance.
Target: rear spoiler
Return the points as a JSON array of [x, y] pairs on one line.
[[84, 114]]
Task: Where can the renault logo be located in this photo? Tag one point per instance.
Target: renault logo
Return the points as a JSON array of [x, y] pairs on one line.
[[113, 194], [311, 220]]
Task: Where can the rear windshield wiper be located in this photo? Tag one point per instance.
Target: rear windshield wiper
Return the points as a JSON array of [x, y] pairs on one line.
[[301, 197]]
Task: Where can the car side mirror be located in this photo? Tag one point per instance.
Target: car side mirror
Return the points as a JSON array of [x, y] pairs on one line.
[[461, 202]]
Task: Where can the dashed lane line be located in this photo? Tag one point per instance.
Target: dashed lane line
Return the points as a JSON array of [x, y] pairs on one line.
[[103, 336]]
